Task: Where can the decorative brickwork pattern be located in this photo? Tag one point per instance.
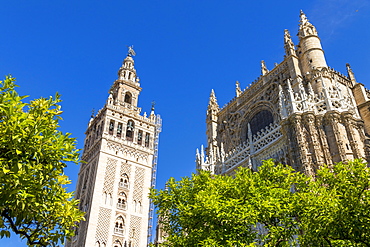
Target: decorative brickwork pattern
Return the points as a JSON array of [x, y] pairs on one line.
[[103, 225], [138, 184], [109, 176], [125, 169], [135, 227]]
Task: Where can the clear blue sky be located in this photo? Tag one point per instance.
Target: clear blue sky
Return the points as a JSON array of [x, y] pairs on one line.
[[184, 49]]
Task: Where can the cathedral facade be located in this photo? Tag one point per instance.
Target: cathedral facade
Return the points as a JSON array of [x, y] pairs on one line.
[[301, 113], [120, 156]]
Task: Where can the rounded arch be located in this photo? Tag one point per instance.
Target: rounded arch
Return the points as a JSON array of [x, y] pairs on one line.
[[128, 98], [117, 243]]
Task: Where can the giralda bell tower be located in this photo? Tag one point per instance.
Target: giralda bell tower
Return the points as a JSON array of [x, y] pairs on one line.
[[120, 155]]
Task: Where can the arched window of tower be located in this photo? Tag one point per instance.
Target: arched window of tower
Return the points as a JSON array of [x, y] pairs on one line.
[[122, 201], [140, 137], [128, 98], [260, 120], [130, 130], [119, 226], [111, 127], [124, 181], [147, 139], [119, 129], [117, 243]]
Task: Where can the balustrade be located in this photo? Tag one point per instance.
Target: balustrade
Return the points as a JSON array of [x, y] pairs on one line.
[[122, 206], [118, 230]]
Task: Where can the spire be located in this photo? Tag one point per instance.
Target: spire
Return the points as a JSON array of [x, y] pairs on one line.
[[212, 105], [351, 75], [126, 89], [305, 27], [288, 43], [238, 90], [264, 69]]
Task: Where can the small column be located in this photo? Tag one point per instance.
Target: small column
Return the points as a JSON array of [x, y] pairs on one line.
[[301, 145], [250, 140], [347, 120], [318, 154], [323, 139], [351, 75], [334, 119]]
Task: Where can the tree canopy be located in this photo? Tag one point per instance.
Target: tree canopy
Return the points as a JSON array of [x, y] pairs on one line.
[[34, 202], [275, 206]]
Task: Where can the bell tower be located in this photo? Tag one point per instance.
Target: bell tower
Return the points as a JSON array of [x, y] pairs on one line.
[[119, 167]]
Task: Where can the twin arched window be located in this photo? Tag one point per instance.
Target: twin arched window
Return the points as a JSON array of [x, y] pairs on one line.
[[119, 226], [122, 201], [137, 207], [124, 181], [107, 198]]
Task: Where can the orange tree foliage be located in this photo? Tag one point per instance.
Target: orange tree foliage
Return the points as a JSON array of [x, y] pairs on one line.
[[34, 202], [275, 206]]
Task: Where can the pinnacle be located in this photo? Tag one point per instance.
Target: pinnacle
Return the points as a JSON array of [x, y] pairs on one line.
[[212, 98]]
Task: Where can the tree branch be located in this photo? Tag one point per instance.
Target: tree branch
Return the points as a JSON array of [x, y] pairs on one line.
[[20, 232]]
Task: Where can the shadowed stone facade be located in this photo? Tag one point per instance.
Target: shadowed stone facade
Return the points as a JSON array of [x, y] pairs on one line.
[[302, 113]]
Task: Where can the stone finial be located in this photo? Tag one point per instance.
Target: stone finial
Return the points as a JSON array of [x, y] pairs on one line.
[[303, 17], [264, 69], [238, 90], [288, 43], [305, 27], [310, 89], [212, 99], [351, 75], [287, 37]]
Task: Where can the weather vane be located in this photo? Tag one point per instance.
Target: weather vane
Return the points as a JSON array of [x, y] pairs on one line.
[[131, 51], [153, 104]]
